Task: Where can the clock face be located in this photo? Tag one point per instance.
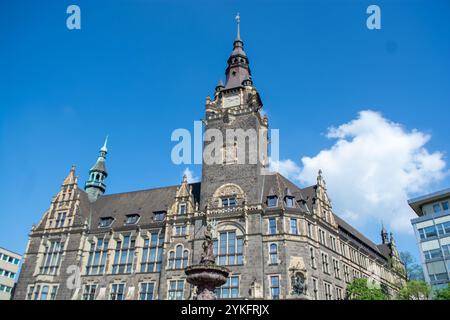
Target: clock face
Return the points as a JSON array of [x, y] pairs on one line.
[[231, 101]]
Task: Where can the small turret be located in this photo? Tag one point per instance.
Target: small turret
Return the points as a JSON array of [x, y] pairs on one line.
[[95, 186]]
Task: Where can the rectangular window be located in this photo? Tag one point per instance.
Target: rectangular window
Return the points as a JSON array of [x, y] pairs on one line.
[[52, 258], [432, 254], [313, 257], [272, 226], [325, 267], [290, 202], [176, 289], [272, 201], [273, 253], [228, 248], [275, 287], [106, 222], [159, 215], [443, 228], [61, 219], [229, 202], [437, 208], [294, 226], [146, 291], [123, 256], [97, 257], [346, 273], [337, 271], [152, 253], [310, 231], [132, 219], [428, 232], [118, 291], [53, 292], [44, 293], [339, 295], [446, 250], [180, 230], [315, 289], [230, 289], [182, 209], [445, 205], [89, 291], [30, 293], [328, 291]]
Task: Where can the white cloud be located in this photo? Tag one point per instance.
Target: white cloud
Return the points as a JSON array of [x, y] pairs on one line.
[[191, 178], [372, 170]]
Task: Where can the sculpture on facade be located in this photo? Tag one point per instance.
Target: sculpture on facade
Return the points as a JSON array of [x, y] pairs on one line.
[[299, 285]]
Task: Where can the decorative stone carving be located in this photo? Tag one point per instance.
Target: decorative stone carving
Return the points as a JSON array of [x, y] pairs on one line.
[[227, 190]]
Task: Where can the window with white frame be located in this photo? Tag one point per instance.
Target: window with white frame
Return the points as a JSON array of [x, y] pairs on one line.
[[273, 253], [310, 230], [51, 261], [97, 256], [228, 248], [322, 237], [182, 209], [146, 290], [180, 230], [346, 273], [89, 291], [152, 253], [230, 289], [229, 202], [178, 258], [272, 225], [176, 290], [275, 287], [124, 255], [132, 219], [117, 291], [333, 243], [290, 201], [294, 226], [339, 294]]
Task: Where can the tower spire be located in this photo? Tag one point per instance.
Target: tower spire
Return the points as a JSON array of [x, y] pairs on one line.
[[238, 69], [238, 22], [95, 186]]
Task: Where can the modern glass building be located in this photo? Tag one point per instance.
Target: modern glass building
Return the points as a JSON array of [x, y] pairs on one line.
[[432, 229], [9, 267]]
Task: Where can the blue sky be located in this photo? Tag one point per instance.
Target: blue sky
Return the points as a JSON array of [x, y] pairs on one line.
[[137, 70]]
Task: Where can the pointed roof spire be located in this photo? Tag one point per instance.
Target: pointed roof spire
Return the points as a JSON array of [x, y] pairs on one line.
[[238, 69], [71, 178], [104, 148], [238, 22]]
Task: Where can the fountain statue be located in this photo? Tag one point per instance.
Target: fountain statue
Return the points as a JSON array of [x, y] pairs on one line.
[[206, 275]]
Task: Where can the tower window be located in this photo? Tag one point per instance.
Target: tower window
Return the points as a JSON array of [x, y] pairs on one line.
[[132, 219], [290, 202], [272, 226], [229, 202], [273, 252], [272, 201]]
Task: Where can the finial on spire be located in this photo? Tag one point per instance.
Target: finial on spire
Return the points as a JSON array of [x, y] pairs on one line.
[[238, 21], [104, 148], [320, 172]]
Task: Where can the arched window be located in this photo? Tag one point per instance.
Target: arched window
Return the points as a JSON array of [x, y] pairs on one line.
[[273, 252]]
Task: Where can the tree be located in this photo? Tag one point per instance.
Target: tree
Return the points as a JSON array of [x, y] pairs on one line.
[[415, 290], [413, 270], [443, 294], [359, 289]]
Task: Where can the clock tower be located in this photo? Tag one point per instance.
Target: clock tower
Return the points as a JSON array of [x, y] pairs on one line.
[[239, 144]]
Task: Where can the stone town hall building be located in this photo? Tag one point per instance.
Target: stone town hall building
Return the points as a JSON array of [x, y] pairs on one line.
[[135, 245]]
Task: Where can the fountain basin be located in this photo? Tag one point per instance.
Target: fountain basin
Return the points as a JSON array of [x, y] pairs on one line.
[[207, 277]]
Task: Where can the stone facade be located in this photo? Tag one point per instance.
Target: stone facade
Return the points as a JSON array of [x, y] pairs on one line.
[[268, 231]]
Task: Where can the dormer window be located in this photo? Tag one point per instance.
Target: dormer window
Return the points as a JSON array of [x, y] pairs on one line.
[[132, 219], [229, 202], [272, 201], [289, 201], [106, 222], [159, 215], [182, 209], [61, 218]]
